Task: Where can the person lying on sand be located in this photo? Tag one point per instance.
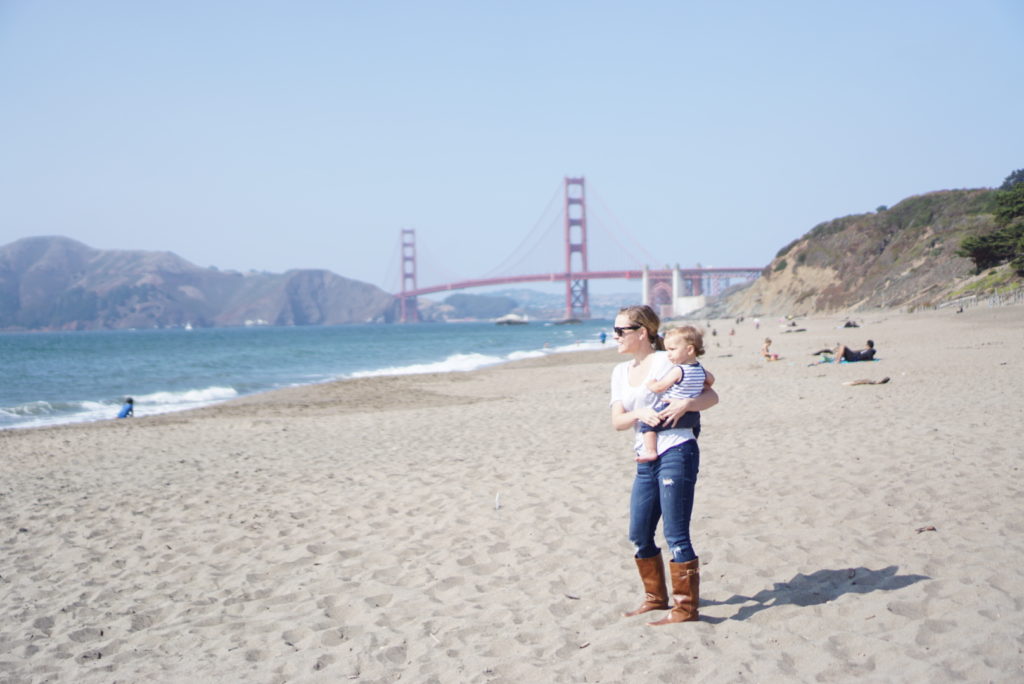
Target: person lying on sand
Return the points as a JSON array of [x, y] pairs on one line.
[[844, 353]]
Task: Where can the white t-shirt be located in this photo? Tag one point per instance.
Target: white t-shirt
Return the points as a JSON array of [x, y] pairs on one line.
[[633, 398]]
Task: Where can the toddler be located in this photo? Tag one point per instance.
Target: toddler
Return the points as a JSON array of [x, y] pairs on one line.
[[686, 380]]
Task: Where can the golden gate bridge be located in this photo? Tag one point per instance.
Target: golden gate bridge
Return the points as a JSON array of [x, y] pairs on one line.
[[667, 290]]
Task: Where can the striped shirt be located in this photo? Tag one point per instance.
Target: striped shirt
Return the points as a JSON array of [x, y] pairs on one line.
[[689, 386]]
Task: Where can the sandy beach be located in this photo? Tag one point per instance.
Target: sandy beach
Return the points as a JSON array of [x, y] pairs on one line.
[[471, 527]]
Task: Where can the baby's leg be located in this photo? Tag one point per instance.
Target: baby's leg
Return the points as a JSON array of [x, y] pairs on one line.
[[650, 452]]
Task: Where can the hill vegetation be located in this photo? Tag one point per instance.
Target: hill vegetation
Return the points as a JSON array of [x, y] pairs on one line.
[[1005, 245], [906, 256]]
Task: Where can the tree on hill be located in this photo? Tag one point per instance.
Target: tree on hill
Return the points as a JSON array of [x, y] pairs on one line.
[[1015, 178], [1006, 243]]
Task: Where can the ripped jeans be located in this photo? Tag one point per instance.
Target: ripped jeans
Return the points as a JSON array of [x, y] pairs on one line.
[[664, 489]]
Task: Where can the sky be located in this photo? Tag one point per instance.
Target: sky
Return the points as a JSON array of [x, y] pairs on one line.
[[256, 135]]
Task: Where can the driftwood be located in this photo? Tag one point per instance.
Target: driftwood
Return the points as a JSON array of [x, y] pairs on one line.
[[865, 381]]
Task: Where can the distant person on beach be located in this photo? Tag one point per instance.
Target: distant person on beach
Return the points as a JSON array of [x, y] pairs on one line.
[[684, 381], [128, 409], [766, 350], [844, 353], [662, 488]]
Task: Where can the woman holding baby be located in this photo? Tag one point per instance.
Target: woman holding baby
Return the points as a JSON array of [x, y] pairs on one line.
[[663, 488]]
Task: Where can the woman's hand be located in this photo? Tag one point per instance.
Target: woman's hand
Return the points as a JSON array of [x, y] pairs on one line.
[[626, 420], [648, 415], [677, 407], [674, 411]]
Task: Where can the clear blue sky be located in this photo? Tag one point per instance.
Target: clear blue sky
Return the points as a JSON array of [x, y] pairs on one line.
[[307, 134]]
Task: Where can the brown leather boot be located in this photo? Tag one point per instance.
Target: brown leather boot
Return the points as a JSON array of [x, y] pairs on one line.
[[652, 573], [685, 592]]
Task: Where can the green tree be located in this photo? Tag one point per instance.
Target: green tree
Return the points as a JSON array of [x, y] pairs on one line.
[[1007, 243], [1010, 205], [1015, 178]]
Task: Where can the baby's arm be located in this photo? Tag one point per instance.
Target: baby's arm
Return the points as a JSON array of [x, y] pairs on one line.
[[669, 379], [709, 379]]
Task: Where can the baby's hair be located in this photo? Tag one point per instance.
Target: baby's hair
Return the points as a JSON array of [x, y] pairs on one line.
[[688, 335]]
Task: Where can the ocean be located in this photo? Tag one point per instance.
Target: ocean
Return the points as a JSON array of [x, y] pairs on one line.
[[71, 377]]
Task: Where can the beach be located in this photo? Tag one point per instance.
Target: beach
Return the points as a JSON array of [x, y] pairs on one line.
[[471, 527]]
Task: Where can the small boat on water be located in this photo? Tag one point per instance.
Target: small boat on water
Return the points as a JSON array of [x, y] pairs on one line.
[[511, 319]]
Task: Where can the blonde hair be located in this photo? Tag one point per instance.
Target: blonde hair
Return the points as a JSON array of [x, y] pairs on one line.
[[645, 317], [688, 335]]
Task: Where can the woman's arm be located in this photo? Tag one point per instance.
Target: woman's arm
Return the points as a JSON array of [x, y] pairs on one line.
[[677, 407], [625, 420]]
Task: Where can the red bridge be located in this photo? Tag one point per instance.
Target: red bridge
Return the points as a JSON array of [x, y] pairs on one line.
[[662, 289]]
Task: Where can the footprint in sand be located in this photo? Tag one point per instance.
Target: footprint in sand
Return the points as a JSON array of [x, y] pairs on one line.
[[87, 634], [254, 655], [915, 610], [332, 637], [378, 601], [323, 662], [295, 637], [395, 655], [44, 625]]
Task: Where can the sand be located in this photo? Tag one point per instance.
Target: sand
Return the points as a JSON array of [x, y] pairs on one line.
[[472, 527]]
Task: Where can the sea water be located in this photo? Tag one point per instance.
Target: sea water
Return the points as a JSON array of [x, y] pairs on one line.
[[67, 377]]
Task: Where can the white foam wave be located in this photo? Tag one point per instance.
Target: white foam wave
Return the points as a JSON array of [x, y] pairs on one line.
[[454, 363], [194, 396], [468, 362], [519, 355], [41, 413], [32, 408]]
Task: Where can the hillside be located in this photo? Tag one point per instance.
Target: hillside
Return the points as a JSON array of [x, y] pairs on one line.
[[904, 256], [55, 283]]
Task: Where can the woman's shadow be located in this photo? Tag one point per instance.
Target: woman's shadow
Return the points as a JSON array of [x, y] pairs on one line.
[[817, 588]]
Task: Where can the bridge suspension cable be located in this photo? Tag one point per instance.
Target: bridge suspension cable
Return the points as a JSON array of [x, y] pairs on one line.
[[529, 244], [617, 230]]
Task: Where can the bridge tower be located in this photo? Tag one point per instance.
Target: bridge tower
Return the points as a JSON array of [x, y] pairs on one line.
[[410, 310], [577, 300]]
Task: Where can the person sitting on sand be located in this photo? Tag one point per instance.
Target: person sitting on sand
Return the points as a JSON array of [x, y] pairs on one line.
[[844, 353], [766, 350], [128, 410], [685, 380]]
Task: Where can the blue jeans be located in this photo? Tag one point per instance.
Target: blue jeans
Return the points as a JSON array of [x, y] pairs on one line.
[[664, 489]]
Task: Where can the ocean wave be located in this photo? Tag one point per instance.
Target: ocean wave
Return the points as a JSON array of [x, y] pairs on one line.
[[452, 364], [32, 408], [192, 396], [457, 363], [42, 413]]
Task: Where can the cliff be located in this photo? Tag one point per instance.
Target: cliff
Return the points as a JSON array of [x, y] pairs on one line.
[[903, 256], [54, 283]]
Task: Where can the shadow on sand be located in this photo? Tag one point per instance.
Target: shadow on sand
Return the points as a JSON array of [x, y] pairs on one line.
[[817, 588]]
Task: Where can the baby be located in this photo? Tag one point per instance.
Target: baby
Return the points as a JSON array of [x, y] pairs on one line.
[[686, 380]]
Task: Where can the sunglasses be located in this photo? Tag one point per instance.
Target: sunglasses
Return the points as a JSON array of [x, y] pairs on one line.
[[619, 332]]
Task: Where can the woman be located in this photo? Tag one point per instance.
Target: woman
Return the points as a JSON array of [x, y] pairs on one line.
[[662, 488]]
